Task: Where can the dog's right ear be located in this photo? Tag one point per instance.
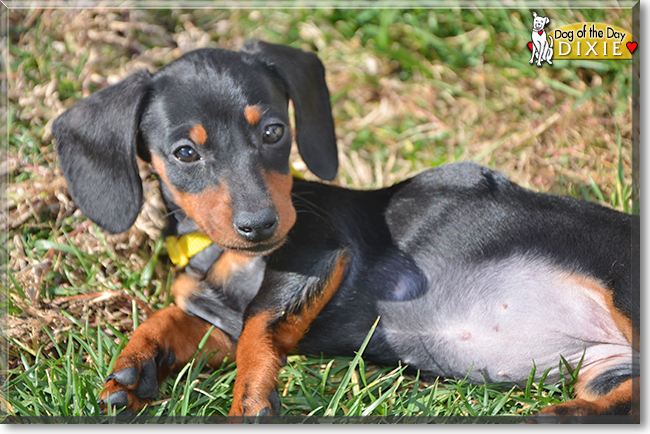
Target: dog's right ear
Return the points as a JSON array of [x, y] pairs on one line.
[[96, 143]]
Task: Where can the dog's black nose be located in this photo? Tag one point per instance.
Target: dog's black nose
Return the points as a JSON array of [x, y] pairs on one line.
[[256, 226]]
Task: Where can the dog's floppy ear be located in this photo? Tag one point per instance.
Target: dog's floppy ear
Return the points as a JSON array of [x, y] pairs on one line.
[[547, 20], [96, 143], [304, 75]]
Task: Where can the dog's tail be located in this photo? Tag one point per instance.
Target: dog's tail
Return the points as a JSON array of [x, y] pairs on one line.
[[550, 39]]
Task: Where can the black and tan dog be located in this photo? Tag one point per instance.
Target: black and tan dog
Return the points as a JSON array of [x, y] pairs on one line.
[[468, 271]]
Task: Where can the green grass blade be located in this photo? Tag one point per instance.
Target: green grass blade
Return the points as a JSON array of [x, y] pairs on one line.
[[540, 387], [368, 411], [333, 404], [147, 271], [502, 402], [529, 383]]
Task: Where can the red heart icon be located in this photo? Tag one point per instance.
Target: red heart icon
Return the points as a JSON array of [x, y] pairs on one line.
[[540, 32], [631, 46], [530, 46]]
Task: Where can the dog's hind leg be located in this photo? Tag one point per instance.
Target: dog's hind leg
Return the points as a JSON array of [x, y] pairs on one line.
[[161, 345], [621, 399], [607, 385]]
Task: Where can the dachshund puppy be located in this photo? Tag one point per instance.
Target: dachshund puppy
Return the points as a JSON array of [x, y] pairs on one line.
[[468, 271]]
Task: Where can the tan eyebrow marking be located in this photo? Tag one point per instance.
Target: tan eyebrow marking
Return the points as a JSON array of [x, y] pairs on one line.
[[253, 114], [198, 134]]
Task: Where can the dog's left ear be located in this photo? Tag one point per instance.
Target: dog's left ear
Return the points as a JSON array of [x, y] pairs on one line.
[[548, 20], [304, 76]]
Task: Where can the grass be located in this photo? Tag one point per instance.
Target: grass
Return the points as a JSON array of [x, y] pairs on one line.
[[66, 384], [411, 89]]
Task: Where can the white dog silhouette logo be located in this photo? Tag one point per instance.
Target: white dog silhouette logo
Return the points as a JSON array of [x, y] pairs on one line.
[[542, 44]]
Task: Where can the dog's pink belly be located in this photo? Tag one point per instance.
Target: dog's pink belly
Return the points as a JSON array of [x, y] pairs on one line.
[[500, 318]]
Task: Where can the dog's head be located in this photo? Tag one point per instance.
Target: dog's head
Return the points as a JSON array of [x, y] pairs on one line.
[[215, 125], [539, 22]]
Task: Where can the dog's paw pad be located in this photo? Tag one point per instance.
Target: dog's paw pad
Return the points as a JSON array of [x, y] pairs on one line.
[[148, 385], [118, 399], [266, 411], [127, 376], [116, 396], [132, 387], [274, 400]]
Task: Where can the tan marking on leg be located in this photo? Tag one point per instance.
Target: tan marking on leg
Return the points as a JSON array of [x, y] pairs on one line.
[[182, 288], [585, 378], [606, 299], [621, 396], [258, 365], [296, 325], [169, 329], [261, 349]]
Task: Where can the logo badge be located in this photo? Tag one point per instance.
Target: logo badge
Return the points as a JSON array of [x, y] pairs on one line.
[[593, 41]]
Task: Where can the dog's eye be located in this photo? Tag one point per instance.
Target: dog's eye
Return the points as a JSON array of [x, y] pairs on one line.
[[273, 133], [186, 154]]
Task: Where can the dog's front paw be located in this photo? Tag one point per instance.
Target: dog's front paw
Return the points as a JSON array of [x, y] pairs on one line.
[[251, 407], [134, 382]]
